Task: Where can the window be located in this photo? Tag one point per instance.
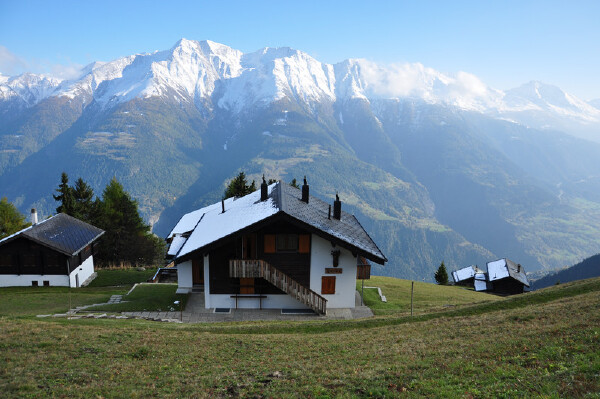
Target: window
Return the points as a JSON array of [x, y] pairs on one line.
[[287, 242], [328, 285], [34, 283], [46, 283]]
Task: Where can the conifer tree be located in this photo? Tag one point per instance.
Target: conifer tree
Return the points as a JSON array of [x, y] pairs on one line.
[[11, 220], [238, 186], [65, 196], [441, 275], [85, 208], [127, 237]]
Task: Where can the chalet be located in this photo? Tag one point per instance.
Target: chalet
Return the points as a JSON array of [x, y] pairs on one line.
[[507, 277], [54, 252], [277, 247], [466, 275]]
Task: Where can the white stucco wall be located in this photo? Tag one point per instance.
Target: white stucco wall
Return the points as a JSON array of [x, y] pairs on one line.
[[345, 283], [24, 280], [270, 302], [85, 270], [184, 277]]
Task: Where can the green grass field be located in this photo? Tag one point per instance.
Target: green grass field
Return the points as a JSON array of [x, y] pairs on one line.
[[427, 297], [541, 344]]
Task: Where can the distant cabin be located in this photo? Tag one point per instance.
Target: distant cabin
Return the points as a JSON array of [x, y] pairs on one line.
[[57, 251], [503, 276], [278, 247], [507, 277]]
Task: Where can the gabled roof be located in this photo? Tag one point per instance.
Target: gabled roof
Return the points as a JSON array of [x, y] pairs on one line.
[[284, 201], [503, 268], [61, 232]]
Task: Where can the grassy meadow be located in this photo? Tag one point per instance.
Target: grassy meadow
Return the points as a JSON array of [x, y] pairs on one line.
[[540, 344]]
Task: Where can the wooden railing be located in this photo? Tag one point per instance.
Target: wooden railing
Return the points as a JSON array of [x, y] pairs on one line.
[[239, 268]]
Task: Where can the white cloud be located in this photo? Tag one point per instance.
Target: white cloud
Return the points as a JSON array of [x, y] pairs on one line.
[[11, 64]]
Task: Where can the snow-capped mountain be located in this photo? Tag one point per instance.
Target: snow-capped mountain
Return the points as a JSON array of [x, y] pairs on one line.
[[211, 75], [441, 166]]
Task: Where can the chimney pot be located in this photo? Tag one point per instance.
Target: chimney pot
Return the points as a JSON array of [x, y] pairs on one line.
[[329, 213], [337, 208], [305, 191], [34, 217], [223, 205], [264, 190]]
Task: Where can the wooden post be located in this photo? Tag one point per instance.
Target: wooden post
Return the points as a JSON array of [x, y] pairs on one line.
[[412, 291], [362, 294]]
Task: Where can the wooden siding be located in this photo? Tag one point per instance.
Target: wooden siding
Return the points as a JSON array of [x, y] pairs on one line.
[[294, 264], [252, 270], [23, 256]]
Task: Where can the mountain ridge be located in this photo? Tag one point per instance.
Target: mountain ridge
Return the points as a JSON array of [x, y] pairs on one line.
[[428, 173]]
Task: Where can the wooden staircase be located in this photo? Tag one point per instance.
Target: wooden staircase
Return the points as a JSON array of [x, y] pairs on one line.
[[242, 268]]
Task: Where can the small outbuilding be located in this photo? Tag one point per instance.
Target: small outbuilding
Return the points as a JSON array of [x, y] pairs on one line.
[[58, 251]]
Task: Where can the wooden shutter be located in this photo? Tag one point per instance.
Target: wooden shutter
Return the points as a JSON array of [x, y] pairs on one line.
[[269, 243], [328, 285], [304, 243]]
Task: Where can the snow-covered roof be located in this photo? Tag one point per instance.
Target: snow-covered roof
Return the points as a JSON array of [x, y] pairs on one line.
[[463, 274], [503, 268], [211, 224]]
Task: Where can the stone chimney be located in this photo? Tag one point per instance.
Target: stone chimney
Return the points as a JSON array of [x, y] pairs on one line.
[[305, 191], [337, 208], [34, 218], [264, 190]]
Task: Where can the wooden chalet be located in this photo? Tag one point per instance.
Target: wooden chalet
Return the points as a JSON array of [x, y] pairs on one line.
[[277, 247], [54, 252], [506, 277]]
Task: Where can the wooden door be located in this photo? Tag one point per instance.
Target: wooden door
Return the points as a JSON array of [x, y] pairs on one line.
[[197, 272], [246, 286]]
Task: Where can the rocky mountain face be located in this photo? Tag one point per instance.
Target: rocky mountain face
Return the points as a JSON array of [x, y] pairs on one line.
[[436, 167]]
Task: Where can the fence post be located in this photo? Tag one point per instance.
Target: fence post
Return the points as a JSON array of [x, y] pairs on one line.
[[412, 291]]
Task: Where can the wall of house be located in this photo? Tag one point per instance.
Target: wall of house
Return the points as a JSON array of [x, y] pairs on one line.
[[345, 283], [184, 277], [83, 272], [24, 280]]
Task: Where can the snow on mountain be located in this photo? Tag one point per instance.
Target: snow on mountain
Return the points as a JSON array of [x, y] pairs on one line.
[[210, 74], [28, 87], [271, 74], [543, 97]]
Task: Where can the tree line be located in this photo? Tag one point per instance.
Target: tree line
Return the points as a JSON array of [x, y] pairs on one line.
[[127, 237]]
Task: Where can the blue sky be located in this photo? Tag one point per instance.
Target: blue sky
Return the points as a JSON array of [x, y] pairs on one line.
[[505, 43]]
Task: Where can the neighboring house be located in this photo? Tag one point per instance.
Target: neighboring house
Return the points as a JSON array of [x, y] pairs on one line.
[[277, 247], [466, 275], [503, 277], [57, 251], [507, 277]]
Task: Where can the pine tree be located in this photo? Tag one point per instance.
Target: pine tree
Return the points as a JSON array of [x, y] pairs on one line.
[[11, 220], [294, 183], [127, 237], [65, 196], [238, 186], [85, 208], [441, 275]]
